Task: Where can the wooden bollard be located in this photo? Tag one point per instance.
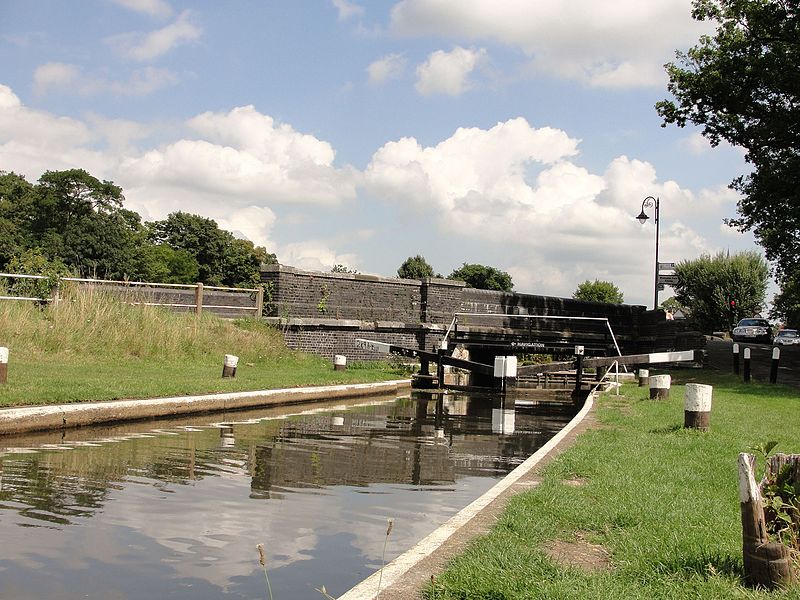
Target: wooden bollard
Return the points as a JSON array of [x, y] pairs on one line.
[[3, 364], [644, 377], [659, 387], [766, 563], [229, 366], [736, 359], [746, 375], [339, 363], [697, 406]]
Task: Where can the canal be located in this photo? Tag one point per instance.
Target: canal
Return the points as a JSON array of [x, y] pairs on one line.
[[175, 509]]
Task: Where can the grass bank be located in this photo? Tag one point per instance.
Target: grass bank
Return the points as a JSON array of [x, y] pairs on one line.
[[653, 507], [92, 347]]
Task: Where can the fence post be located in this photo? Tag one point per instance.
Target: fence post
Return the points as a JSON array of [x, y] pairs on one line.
[[259, 303], [198, 299], [746, 376], [736, 359], [3, 364], [55, 292]]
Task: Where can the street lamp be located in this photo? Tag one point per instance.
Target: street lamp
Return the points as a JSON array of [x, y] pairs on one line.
[[651, 202]]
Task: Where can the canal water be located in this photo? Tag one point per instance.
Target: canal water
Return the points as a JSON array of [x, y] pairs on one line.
[[175, 509]]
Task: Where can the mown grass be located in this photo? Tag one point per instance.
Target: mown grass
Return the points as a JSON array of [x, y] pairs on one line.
[[661, 500], [92, 347]]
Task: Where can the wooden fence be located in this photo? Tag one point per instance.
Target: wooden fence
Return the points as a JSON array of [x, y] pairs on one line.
[[221, 301]]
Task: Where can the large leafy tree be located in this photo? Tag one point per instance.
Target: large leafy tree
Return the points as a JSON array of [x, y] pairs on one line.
[[483, 277], [415, 267], [721, 289], [741, 85], [598, 291]]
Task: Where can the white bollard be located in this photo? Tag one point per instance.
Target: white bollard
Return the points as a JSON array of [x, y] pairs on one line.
[[3, 364], [644, 377], [339, 362], [229, 366], [659, 387], [697, 406]]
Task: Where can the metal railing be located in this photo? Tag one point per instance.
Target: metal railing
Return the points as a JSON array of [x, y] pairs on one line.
[[454, 322], [198, 290]]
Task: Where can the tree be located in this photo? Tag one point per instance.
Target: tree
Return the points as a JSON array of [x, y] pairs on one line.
[[741, 86], [483, 277], [598, 291], [163, 264], [721, 289], [415, 267], [786, 304]]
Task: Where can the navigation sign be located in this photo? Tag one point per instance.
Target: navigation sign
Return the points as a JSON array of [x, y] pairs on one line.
[[668, 279], [668, 266]]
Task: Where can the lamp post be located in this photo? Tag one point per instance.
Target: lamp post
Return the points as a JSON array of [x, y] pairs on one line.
[[651, 202]]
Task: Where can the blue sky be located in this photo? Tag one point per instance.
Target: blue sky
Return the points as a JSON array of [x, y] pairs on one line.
[[519, 134]]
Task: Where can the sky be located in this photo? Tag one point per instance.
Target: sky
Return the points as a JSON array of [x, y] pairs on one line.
[[519, 134]]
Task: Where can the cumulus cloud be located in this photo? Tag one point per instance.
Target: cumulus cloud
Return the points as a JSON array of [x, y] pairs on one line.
[[145, 47], [388, 67], [448, 72], [314, 255], [616, 44], [153, 8], [69, 79]]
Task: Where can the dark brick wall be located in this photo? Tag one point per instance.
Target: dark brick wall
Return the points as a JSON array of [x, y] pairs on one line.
[[407, 312], [295, 293]]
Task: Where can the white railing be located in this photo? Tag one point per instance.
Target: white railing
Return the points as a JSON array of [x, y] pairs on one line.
[[454, 322], [197, 289]]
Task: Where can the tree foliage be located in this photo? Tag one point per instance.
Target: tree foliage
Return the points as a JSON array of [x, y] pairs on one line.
[[483, 277], [720, 290], [598, 291], [72, 218], [741, 85], [415, 267]]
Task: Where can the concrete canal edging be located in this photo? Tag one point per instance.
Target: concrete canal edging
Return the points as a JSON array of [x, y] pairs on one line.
[[62, 416], [403, 577]]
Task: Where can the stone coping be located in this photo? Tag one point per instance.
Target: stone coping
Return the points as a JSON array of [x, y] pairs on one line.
[[80, 414]]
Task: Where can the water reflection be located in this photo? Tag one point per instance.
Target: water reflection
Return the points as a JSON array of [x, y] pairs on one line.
[[175, 508]]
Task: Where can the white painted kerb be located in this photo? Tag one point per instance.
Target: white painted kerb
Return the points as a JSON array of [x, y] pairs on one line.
[[697, 397], [368, 589]]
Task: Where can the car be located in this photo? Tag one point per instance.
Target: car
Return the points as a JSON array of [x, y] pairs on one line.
[[787, 337], [753, 330]]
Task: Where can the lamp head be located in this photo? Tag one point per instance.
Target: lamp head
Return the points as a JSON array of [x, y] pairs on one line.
[[642, 217]]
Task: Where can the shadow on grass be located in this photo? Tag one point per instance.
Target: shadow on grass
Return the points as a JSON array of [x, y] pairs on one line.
[[668, 429], [706, 566]]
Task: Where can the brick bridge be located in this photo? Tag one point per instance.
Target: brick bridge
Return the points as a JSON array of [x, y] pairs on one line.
[[325, 313]]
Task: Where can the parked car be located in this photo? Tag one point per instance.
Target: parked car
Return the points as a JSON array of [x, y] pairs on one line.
[[753, 330], [787, 337]]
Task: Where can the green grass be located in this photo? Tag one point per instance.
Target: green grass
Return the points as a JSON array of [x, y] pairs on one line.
[[91, 347], [661, 500]]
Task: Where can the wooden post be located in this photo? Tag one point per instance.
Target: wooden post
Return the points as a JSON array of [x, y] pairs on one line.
[[659, 387], [229, 365], [736, 359], [697, 406], [198, 299], [766, 563], [776, 359], [644, 378], [259, 311], [746, 365], [3, 364], [440, 366]]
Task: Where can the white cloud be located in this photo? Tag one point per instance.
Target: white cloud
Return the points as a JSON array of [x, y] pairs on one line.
[[251, 222], [314, 255], [69, 79], [388, 67], [605, 44], [696, 144], [448, 72], [154, 8], [54, 75], [347, 9], [148, 46]]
